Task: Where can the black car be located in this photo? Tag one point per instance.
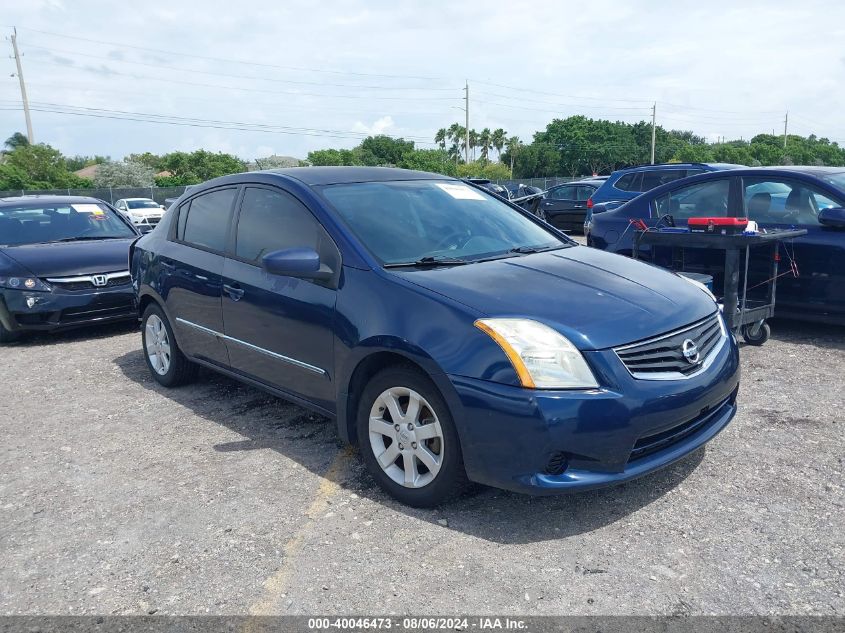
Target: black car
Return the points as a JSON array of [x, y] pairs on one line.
[[565, 206], [64, 262]]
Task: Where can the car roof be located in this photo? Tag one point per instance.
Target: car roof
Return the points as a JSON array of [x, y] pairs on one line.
[[47, 199], [661, 166], [338, 175], [583, 181]]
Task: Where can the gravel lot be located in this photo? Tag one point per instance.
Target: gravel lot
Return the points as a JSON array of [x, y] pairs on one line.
[[121, 497]]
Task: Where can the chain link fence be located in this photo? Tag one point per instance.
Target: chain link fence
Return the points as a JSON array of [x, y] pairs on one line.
[[542, 183], [109, 194]]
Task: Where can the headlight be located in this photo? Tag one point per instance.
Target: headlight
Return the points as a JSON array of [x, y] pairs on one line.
[[33, 284], [699, 285], [541, 357]]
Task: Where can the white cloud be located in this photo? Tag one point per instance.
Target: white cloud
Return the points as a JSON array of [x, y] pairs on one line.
[[382, 125]]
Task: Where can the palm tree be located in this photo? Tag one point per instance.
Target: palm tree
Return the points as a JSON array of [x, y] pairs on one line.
[[456, 133], [485, 141], [16, 140], [512, 146], [440, 138], [497, 139]]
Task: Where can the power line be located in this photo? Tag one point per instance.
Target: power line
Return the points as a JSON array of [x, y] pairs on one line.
[[123, 45], [234, 76]]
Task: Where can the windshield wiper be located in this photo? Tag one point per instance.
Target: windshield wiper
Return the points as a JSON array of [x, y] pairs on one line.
[[527, 250], [429, 261], [86, 238]]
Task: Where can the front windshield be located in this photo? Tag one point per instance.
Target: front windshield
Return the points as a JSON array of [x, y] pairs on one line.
[[408, 221], [38, 223], [142, 204]]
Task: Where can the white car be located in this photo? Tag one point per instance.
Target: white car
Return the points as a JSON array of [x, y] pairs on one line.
[[143, 212]]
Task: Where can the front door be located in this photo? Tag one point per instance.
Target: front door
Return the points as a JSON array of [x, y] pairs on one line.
[[279, 330], [776, 202], [193, 273]]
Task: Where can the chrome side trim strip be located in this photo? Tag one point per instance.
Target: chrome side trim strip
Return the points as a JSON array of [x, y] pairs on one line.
[[89, 278], [261, 350]]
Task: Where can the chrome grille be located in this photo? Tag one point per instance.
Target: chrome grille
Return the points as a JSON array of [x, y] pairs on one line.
[[670, 356], [87, 282]]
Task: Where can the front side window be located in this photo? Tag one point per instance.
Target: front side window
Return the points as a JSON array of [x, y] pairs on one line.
[[272, 220], [707, 199], [563, 193], [406, 221], [204, 220], [783, 201], [62, 222]]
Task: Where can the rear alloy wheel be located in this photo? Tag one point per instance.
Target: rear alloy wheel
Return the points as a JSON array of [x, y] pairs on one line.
[[408, 440], [166, 362]]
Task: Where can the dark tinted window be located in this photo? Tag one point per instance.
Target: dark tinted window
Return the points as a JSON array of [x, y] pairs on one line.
[[628, 182], [274, 220], [708, 199], [563, 193], [652, 179], [207, 221], [584, 192]]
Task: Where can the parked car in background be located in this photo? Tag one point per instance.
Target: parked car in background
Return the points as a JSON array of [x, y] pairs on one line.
[[565, 206], [520, 190], [168, 202], [810, 198], [144, 213], [63, 263], [490, 186], [627, 184], [451, 335]]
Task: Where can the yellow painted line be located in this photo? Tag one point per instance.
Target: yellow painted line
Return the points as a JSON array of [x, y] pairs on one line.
[[276, 584]]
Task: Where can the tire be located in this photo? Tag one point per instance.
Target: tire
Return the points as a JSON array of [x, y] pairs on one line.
[[437, 443], [166, 362], [760, 337], [7, 336]]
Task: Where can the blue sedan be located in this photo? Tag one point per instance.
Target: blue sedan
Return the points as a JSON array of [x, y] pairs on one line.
[[810, 198], [450, 334]]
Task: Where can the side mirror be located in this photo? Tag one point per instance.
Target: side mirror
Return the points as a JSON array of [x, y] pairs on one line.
[[833, 217], [296, 262]]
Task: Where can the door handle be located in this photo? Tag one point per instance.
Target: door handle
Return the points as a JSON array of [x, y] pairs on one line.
[[168, 265], [234, 292]]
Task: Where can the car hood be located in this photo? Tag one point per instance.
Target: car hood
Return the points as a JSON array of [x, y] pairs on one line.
[[67, 259], [596, 299]]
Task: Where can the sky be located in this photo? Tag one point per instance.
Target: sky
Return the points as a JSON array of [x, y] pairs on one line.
[[291, 76]]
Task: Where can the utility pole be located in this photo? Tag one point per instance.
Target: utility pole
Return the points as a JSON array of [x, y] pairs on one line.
[[653, 129], [785, 122], [466, 146], [29, 135]]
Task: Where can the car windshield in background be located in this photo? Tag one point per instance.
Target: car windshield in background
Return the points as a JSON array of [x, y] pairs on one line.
[[837, 179], [60, 223], [142, 204], [411, 221]]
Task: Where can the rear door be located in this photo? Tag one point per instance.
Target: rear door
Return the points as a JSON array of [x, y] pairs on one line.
[[192, 264], [560, 204], [776, 202], [280, 329]]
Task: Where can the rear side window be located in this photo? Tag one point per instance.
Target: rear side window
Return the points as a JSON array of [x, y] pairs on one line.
[[584, 192], [629, 182], [563, 193], [204, 221], [272, 220], [652, 179]]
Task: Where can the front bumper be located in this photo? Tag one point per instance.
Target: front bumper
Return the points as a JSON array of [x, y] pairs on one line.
[[62, 309], [543, 442]]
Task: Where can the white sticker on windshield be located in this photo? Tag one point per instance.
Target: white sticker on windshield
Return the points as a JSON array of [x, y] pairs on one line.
[[460, 192], [88, 208]]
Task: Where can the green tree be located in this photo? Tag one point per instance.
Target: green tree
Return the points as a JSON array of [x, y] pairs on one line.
[[124, 174], [485, 142], [497, 139], [36, 167], [440, 138], [16, 140], [201, 165], [383, 151], [434, 160]]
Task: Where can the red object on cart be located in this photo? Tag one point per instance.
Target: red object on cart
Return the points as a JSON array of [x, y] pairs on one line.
[[721, 226]]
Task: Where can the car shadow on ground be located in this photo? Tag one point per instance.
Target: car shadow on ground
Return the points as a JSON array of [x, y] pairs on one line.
[[87, 333], [830, 337], [267, 422]]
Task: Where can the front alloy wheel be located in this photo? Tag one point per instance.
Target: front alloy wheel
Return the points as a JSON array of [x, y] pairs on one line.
[[166, 362], [408, 439]]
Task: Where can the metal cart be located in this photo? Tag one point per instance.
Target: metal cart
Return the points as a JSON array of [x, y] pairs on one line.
[[742, 315]]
